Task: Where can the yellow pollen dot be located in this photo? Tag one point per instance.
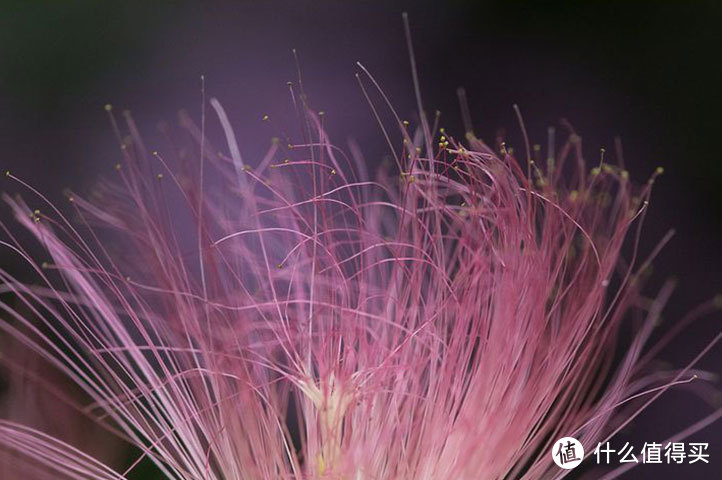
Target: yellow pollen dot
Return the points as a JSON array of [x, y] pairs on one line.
[[265, 117]]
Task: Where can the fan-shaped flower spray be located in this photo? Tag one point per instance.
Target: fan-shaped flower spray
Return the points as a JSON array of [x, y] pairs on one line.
[[448, 318]]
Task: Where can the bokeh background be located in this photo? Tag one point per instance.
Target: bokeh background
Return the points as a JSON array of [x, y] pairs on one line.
[[647, 71]]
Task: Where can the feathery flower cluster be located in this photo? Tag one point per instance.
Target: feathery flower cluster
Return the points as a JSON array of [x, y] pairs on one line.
[[296, 318]]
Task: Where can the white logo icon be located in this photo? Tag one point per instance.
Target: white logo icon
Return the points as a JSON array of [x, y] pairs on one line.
[[567, 452]]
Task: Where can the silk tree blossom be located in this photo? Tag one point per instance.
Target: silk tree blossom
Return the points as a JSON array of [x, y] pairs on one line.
[[291, 317]]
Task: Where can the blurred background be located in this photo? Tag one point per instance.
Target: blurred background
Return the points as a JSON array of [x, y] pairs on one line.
[[647, 71]]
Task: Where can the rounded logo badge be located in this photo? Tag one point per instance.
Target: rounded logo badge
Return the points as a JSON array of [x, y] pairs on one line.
[[567, 452]]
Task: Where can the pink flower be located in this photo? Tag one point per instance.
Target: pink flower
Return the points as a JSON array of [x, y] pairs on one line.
[[293, 318]]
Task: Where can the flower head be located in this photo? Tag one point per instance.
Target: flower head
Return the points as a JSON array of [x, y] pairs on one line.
[[289, 317]]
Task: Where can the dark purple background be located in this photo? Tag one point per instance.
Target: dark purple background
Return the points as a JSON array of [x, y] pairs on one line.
[[647, 71]]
